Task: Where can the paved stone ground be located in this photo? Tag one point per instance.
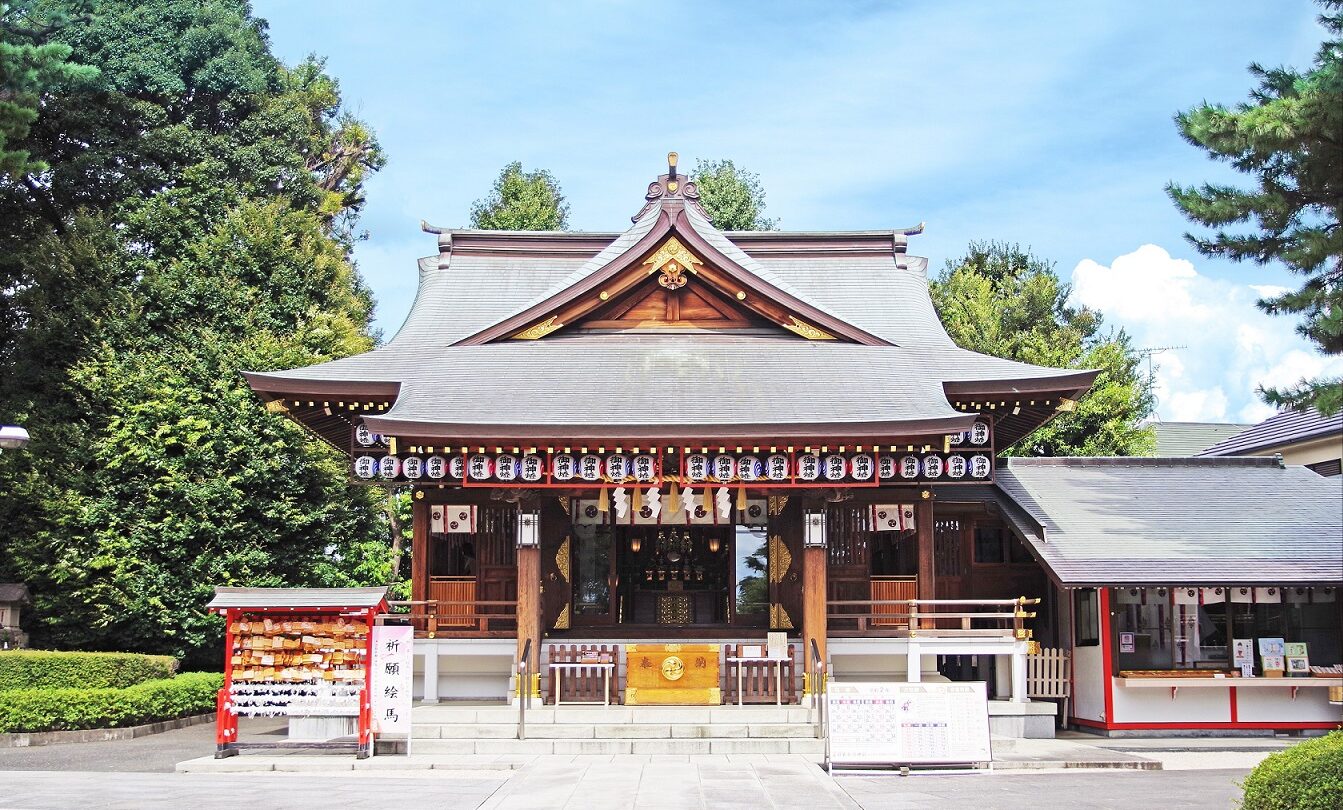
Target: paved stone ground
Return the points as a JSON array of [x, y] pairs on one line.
[[156, 752], [50, 790], [1032, 790], [682, 785]]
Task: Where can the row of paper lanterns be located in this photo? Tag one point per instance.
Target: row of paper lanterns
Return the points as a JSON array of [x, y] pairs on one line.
[[619, 467]]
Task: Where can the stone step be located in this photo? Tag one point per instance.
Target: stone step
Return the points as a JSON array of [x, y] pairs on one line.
[[532, 745], [654, 731], [538, 714]]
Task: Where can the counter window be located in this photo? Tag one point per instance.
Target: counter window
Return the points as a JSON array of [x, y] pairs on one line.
[[1195, 628], [1086, 617]]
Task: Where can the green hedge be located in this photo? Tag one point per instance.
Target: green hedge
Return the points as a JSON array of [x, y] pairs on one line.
[[45, 669], [1307, 776], [71, 709]]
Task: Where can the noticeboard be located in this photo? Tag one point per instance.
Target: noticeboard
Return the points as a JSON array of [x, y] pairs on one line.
[[907, 723]]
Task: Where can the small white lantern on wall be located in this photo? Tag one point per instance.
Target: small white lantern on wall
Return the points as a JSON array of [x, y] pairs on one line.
[[813, 529]]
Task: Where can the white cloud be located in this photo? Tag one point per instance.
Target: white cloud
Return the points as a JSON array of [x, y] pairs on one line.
[[1228, 346]]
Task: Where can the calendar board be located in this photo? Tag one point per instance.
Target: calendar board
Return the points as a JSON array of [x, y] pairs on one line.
[[907, 723]]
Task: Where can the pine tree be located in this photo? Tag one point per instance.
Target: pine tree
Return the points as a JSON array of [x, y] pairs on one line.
[[522, 201], [1289, 139]]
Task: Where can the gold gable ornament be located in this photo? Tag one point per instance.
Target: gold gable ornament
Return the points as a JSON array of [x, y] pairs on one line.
[[806, 330], [673, 259], [540, 330]]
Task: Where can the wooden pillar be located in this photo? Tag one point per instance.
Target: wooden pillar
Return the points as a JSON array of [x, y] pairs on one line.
[[923, 522], [419, 548], [529, 603], [815, 558]]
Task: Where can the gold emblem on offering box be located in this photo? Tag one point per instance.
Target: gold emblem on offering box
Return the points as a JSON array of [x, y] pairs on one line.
[[673, 668]]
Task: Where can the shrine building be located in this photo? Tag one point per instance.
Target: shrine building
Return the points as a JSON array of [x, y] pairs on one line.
[[673, 435]]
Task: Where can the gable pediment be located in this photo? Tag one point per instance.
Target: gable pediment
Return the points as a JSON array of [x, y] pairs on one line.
[[673, 277]]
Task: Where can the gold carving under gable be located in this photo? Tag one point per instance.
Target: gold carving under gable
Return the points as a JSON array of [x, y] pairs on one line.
[[779, 558], [806, 330], [779, 618], [564, 503], [538, 330], [562, 621], [562, 559], [777, 503], [672, 259]]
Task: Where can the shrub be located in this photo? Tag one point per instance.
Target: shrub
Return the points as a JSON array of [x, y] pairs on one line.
[[1307, 776], [71, 709], [45, 669]]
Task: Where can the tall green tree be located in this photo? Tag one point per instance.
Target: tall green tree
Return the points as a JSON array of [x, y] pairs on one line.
[[732, 196], [522, 201], [1289, 139], [31, 65], [187, 217], [1000, 299]]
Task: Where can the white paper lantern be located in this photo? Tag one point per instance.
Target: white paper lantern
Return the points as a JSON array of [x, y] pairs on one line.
[[617, 467], [776, 467], [532, 467], [364, 436], [909, 467], [979, 434], [697, 466], [808, 466], [886, 467], [563, 466], [366, 466], [479, 467], [860, 467], [957, 466], [456, 467], [980, 466], [389, 466], [645, 467], [723, 467], [932, 466], [749, 468], [412, 467], [436, 466], [506, 467], [835, 468], [590, 467], [957, 438]]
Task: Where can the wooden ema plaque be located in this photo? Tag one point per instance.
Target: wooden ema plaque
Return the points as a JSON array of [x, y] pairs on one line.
[[672, 675]]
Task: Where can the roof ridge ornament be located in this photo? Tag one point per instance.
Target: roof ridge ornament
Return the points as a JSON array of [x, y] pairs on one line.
[[671, 186]]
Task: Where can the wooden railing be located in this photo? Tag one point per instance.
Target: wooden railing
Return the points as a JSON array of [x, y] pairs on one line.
[[457, 618], [998, 618]]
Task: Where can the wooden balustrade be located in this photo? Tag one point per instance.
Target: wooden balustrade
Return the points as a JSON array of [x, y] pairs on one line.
[[1000, 618], [457, 618]]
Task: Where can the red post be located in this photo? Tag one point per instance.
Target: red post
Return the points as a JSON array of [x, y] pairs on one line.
[[366, 693]]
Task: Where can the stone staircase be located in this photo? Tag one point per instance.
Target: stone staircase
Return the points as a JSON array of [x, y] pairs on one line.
[[448, 729]]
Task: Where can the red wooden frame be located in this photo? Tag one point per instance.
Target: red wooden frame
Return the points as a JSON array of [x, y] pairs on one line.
[[226, 719]]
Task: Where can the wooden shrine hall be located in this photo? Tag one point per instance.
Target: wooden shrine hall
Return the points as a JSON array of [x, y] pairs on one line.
[[675, 435]]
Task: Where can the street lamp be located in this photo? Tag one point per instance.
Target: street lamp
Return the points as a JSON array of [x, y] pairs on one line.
[[12, 437]]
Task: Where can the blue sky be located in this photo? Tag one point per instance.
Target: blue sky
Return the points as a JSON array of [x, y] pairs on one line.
[[1047, 124]]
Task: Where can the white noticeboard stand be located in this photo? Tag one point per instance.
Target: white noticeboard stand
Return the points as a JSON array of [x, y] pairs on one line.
[[391, 684], [907, 724]]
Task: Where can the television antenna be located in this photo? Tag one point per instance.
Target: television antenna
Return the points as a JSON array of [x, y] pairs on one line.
[[1151, 374]]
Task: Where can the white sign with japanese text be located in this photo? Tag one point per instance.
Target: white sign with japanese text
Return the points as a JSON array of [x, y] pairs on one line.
[[908, 723], [391, 678]]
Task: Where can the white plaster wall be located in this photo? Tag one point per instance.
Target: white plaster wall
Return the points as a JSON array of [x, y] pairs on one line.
[[1270, 704], [1088, 700], [1191, 704]]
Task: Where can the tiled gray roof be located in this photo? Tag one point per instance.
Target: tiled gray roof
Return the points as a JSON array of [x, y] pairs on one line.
[[1287, 427], [297, 597], [1151, 521], [692, 379], [1180, 439], [13, 592]]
